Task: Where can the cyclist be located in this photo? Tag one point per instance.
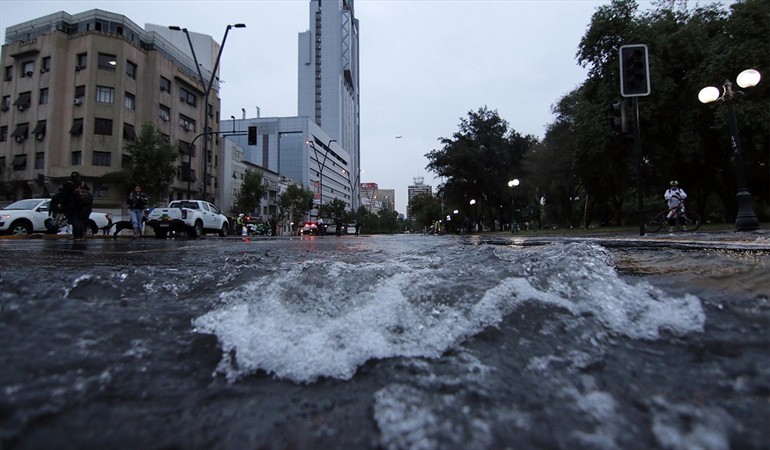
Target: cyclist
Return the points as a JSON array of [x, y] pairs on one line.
[[674, 195]]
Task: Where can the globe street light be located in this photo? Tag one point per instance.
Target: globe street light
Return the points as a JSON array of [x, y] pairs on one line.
[[206, 91], [746, 219], [512, 184]]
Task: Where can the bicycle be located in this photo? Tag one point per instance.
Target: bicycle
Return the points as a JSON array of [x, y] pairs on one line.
[[683, 219]]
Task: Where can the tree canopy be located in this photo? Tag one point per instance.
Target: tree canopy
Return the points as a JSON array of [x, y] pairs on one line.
[[152, 164], [583, 172]]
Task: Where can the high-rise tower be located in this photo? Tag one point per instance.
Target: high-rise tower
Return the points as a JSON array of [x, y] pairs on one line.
[[328, 87]]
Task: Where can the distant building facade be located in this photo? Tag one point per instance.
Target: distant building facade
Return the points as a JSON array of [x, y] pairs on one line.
[[76, 88], [298, 149], [419, 187]]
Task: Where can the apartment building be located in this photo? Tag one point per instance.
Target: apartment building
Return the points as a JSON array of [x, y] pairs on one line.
[[76, 88]]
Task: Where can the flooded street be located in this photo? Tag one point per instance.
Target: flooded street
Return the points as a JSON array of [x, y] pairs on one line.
[[385, 342]]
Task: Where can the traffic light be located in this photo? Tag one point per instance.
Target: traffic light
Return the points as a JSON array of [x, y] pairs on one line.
[[634, 71], [622, 117], [252, 135]]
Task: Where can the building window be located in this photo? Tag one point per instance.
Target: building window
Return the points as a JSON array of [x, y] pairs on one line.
[[2, 162], [165, 85], [81, 61], [103, 159], [43, 96], [100, 190], [164, 113], [8, 73], [186, 123], [77, 158], [107, 62], [27, 69], [128, 132], [130, 101], [188, 97], [125, 161], [39, 160], [21, 132], [103, 126], [3, 136], [39, 131], [80, 94], [6, 103], [45, 64], [105, 94], [131, 70], [19, 162], [77, 127], [23, 101]]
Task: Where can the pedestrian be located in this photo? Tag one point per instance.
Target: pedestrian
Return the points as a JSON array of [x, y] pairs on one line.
[[338, 223], [72, 204], [321, 227], [273, 225], [358, 227], [239, 230], [674, 196], [137, 202], [86, 203]]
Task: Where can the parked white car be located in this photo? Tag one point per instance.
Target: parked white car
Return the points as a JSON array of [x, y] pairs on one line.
[[29, 216], [194, 217]]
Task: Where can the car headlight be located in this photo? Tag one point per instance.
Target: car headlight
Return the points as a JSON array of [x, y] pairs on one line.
[[5, 216]]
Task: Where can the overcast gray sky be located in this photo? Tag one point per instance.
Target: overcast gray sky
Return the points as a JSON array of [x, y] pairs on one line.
[[424, 64]]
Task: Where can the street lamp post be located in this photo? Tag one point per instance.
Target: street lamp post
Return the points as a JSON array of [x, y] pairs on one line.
[[473, 222], [514, 227], [746, 219], [321, 171], [206, 91]]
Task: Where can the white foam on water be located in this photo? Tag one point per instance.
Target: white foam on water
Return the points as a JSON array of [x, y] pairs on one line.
[[684, 427], [326, 319]]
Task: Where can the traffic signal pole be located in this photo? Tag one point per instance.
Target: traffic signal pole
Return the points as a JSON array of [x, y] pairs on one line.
[[635, 83], [639, 181]]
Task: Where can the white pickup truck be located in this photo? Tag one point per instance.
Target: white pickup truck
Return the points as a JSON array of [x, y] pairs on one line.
[[194, 217]]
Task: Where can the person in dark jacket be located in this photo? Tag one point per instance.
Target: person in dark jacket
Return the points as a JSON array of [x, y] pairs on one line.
[[72, 204], [137, 203]]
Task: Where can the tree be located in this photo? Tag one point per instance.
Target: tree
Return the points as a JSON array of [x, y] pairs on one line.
[[293, 204], [152, 165], [478, 161], [249, 198], [335, 209], [425, 209]]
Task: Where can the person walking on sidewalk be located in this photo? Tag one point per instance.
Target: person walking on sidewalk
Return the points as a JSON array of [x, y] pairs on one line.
[[137, 202]]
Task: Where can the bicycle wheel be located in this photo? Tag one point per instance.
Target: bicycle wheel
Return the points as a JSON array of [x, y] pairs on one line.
[[654, 224], [688, 221]]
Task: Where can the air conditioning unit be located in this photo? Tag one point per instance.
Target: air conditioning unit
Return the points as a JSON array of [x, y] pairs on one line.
[[28, 73], [165, 119], [163, 88], [39, 136], [4, 108], [19, 139], [188, 127], [43, 70], [78, 101], [21, 107], [78, 68], [183, 99]]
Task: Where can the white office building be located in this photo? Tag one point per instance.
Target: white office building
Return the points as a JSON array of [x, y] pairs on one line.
[[329, 77]]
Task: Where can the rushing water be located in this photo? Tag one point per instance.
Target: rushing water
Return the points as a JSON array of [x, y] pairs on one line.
[[395, 342]]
